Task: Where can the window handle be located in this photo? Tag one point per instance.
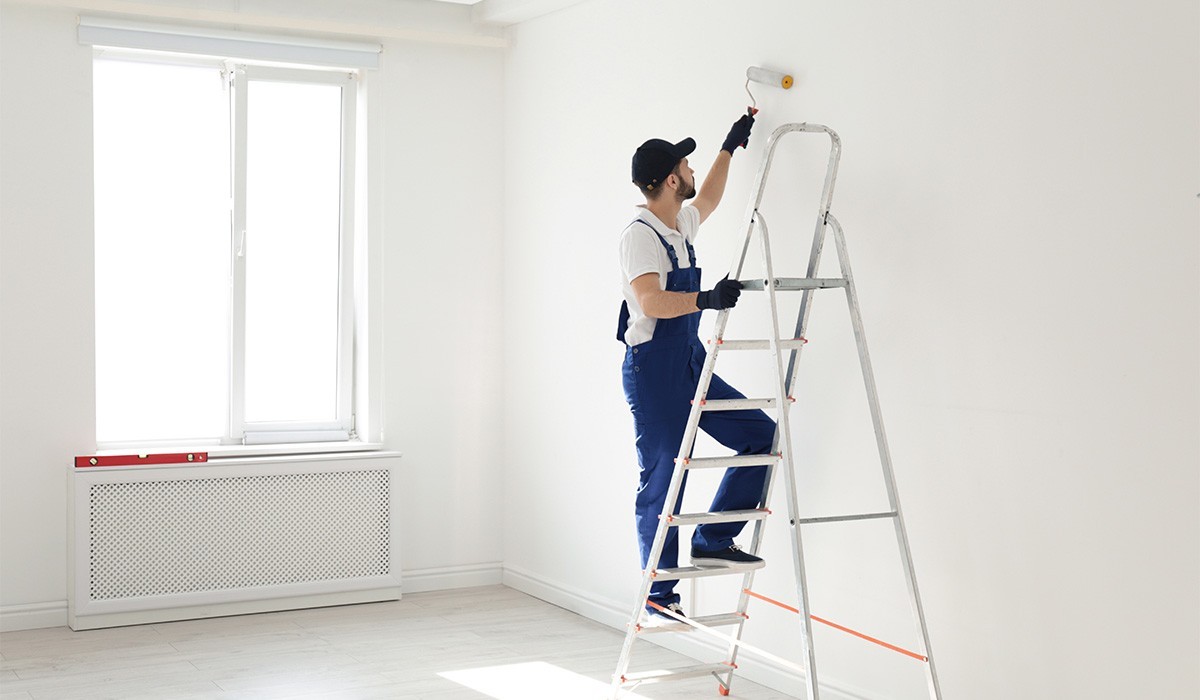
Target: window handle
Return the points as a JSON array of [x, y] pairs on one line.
[[241, 244]]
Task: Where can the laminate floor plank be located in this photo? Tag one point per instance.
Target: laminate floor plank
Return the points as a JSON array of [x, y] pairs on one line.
[[488, 643], [99, 683], [89, 663]]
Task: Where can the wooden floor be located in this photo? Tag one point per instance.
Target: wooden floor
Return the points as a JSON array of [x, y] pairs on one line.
[[466, 644]]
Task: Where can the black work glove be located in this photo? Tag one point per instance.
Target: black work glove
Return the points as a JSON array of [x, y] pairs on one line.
[[739, 134], [722, 296]]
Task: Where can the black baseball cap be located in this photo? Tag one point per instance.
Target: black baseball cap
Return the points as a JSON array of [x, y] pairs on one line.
[[654, 160]]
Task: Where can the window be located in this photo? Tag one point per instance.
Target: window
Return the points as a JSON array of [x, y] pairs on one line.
[[224, 206]]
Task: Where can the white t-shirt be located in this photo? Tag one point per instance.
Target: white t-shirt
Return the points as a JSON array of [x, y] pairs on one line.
[[641, 252]]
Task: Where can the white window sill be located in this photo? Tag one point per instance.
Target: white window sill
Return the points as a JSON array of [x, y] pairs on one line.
[[216, 452]]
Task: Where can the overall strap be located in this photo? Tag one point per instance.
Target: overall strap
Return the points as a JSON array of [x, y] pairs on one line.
[[670, 248]]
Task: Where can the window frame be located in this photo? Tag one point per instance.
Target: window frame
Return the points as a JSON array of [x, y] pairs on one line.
[[290, 436], [341, 428]]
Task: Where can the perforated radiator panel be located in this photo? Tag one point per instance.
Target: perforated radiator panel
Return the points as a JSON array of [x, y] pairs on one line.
[[165, 537]]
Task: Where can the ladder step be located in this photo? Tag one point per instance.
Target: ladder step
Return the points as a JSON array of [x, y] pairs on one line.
[[846, 518], [729, 516], [791, 284], [784, 343], [674, 674], [682, 572], [736, 404], [735, 461], [721, 620]]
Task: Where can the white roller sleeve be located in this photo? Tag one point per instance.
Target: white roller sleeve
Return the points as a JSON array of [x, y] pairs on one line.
[[769, 77]]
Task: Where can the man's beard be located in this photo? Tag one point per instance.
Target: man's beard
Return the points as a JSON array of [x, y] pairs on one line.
[[686, 192]]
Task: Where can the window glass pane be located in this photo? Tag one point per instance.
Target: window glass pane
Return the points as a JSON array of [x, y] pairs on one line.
[[293, 221], [162, 251]]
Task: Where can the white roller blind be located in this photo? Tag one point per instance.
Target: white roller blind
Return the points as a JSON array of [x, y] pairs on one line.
[[124, 34]]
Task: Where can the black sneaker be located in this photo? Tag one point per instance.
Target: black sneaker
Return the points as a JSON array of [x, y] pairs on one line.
[[733, 558], [659, 616]]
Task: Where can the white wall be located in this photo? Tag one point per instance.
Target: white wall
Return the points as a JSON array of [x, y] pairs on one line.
[[442, 152], [47, 405], [1019, 188], [435, 112]]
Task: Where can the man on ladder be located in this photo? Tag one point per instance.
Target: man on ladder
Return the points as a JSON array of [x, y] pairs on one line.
[[664, 356]]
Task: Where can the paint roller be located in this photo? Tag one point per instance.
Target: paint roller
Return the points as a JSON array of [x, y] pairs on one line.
[[754, 74]]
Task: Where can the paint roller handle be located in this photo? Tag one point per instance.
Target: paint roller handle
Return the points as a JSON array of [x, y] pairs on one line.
[[739, 133]]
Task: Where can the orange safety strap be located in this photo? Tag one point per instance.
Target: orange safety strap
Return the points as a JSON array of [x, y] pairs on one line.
[[836, 626]]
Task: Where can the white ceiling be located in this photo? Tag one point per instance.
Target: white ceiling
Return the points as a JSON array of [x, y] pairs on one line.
[[511, 11]]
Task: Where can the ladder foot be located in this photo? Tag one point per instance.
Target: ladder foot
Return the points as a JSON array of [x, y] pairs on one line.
[[722, 689]]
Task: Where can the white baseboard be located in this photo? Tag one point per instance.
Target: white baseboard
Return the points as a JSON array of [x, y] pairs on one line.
[[447, 577], [14, 618], [249, 606], [616, 615], [33, 616]]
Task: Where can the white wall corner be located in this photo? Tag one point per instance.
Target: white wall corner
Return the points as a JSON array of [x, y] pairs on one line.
[[506, 12], [447, 577]]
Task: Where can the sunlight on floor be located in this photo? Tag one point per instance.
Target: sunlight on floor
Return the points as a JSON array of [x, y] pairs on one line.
[[536, 680]]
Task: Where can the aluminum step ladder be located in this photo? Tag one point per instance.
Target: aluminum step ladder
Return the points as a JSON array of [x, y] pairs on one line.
[[780, 457]]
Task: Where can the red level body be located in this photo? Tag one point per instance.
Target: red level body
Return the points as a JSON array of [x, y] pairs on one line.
[[136, 460]]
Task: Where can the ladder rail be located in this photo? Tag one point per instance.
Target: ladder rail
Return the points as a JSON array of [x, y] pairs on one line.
[[783, 445], [669, 504], [753, 216], [818, 247], [784, 388], [818, 244], [760, 182], [885, 456], [759, 530]]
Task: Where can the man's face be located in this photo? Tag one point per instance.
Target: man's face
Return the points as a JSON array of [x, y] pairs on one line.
[[687, 181]]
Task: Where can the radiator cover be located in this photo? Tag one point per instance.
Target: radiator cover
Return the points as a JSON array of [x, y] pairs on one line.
[[231, 536]]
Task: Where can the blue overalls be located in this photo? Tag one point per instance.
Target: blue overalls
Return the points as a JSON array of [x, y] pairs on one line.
[[660, 378]]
